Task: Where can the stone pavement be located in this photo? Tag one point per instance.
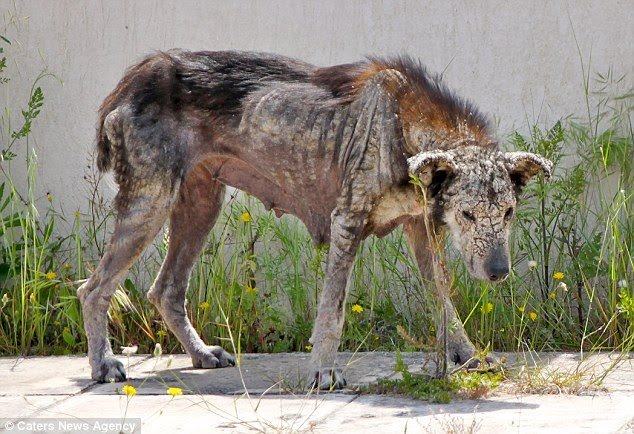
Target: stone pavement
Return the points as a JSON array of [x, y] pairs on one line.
[[264, 395]]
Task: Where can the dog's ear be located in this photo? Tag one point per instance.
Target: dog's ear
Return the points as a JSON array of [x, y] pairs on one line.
[[522, 166], [433, 168]]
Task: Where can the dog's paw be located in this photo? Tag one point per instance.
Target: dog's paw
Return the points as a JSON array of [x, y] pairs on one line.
[[471, 360], [213, 357], [328, 379], [109, 370]]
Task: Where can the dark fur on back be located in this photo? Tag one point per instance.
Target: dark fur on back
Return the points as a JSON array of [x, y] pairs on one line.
[[212, 81], [217, 82], [340, 80]]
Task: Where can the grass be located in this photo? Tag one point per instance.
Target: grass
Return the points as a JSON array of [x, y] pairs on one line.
[[461, 384], [256, 285]]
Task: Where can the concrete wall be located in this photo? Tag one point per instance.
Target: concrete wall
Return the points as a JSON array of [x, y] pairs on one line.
[[517, 59]]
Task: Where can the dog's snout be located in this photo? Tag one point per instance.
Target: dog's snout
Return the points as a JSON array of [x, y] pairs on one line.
[[497, 268], [498, 273]]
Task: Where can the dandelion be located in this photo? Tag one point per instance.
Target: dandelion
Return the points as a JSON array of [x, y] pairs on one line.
[[532, 265], [250, 289], [532, 315], [308, 347], [562, 286], [128, 351], [622, 284], [521, 309], [552, 295], [174, 391], [51, 275], [158, 350], [357, 308], [486, 308], [128, 390], [204, 305], [558, 275], [245, 217]]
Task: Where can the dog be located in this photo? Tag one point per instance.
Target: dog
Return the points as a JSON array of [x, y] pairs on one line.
[[335, 146]]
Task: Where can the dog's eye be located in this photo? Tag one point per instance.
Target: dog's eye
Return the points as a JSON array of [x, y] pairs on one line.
[[468, 216], [509, 213]]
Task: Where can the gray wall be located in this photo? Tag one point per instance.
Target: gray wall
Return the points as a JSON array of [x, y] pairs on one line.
[[517, 59]]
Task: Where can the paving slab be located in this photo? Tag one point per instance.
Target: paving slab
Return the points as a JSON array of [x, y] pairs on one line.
[[203, 413], [589, 366], [26, 405], [263, 395], [529, 414], [257, 373], [54, 375]]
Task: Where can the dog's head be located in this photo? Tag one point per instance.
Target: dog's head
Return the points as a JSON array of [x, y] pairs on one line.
[[473, 190]]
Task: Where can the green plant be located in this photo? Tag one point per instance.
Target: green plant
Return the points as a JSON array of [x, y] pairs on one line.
[[38, 311], [471, 385]]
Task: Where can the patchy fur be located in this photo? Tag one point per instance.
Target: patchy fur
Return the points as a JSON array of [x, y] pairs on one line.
[[334, 146]]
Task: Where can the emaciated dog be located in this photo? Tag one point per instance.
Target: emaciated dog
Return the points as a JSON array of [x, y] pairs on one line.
[[334, 146]]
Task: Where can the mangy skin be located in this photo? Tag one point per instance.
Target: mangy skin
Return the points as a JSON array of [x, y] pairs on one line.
[[342, 168]]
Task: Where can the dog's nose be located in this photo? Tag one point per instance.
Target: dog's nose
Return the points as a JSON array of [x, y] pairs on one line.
[[496, 267], [498, 272]]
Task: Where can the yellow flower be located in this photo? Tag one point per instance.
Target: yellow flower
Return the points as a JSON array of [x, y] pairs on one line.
[[308, 347], [174, 391], [245, 217], [486, 308], [521, 309], [129, 390], [204, 305], [552, 295], [161, 333], [250, 289], [51, 275], [532, 315], [357, 308], [558, 275]]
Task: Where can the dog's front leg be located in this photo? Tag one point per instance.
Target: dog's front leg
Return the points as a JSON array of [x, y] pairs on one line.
[[460, 348], [344, 241]]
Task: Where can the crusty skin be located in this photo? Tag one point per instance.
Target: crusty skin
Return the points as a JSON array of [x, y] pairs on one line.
[[333, 146]]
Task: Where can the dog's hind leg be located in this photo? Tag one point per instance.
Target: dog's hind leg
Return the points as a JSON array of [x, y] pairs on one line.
[[142, 212], [195, 212]]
